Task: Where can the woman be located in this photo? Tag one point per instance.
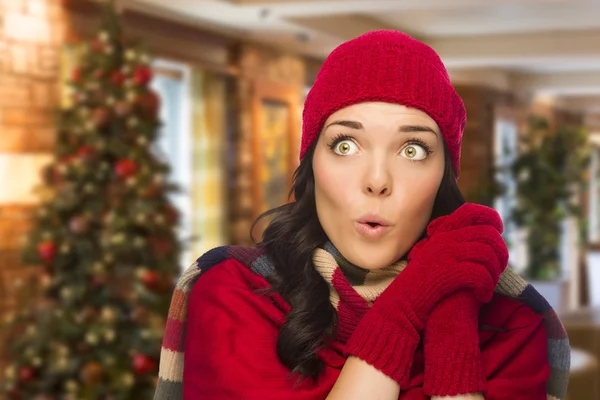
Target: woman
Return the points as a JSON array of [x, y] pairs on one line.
[[378, 281]]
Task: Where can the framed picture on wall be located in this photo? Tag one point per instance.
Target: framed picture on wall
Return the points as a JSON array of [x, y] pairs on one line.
[[276, 142]]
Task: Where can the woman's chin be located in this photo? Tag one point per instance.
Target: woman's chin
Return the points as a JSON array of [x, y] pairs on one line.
[[372, 263]]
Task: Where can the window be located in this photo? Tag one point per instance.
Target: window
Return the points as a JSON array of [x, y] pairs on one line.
[[505, 152], [171, 82]]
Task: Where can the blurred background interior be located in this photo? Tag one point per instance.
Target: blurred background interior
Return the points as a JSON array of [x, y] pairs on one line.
[[227, 80]]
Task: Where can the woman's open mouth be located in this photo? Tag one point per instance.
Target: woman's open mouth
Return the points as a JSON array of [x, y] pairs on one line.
[[371, 230]]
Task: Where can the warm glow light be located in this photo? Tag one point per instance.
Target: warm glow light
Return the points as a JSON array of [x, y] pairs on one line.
[[545, 99], [21, 173]]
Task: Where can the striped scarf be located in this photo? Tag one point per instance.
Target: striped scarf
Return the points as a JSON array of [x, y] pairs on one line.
[[367, 284]]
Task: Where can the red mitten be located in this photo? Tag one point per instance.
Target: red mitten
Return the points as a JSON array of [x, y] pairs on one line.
[[451, 341], [451, 347], [463, 252]]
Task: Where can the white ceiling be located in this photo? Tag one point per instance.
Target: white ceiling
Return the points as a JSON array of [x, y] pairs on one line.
[[541, 46]]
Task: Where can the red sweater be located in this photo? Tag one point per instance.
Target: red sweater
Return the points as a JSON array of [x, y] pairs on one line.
[[230, 346]]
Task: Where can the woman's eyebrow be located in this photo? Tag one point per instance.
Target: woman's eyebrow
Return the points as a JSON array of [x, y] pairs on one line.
[[349, 124], [403, 128], [416, 128]]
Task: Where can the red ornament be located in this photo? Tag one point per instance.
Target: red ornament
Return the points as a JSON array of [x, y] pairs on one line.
[[149, 103], [99, 281], [101, 116], [172, 214], [117, 78], [142, 75], [161, 246], [85, 151], [67, 159], [47, 250], [142, 364], [125, 168], [153, 190], [15, 395], [76, 77], [99, 73], [26, 374], [97, 45], [150, 279]]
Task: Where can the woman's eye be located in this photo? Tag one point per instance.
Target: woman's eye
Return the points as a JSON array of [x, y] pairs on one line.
[[344, 147], [414, 152]]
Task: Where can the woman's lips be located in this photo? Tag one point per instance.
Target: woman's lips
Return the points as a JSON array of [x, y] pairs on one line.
[[371, 232]]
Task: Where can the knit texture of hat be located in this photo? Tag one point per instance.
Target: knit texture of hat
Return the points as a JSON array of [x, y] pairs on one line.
[[387, 66]]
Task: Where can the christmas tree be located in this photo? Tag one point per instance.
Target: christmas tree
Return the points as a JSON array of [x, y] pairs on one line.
[[105, 235]]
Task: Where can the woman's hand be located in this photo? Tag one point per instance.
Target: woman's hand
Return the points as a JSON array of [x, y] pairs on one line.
[[464, 251], [452, 334], [451, 347], [475, 396]]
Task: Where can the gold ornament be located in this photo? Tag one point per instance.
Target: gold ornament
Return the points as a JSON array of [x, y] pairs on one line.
[[118, 238], [91, 338], [89, 126], [89, 188], [66, 293], [127, 380], [37, 362], [109, 335], [109, 361], [130, 55], [62, 364], [62, 350], [30, 353], [98, 267], [104, 36], [10, 373], [91, 373], [139, 242], [145, 333], [140, 272], [131, 182], [31, 331], [109, 258], [46, 281], [62, 169], [108, 314], [65, 248], [142, 140], [71, 386], [132, 122]]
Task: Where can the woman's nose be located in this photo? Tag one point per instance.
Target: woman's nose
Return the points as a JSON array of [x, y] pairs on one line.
[[378, 182]]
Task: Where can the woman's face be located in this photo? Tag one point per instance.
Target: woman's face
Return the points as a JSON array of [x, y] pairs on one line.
[[377, 163]]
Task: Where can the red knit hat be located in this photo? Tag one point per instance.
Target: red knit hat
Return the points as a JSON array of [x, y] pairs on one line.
[[387, 66]]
